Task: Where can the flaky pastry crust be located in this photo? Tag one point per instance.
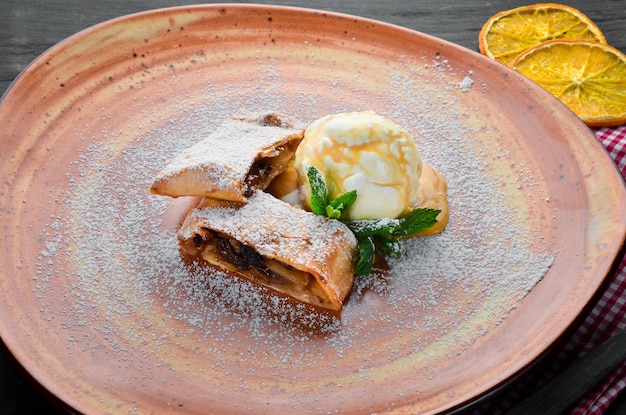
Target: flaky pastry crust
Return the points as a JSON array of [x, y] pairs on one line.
[[270, 242], [243, 154]]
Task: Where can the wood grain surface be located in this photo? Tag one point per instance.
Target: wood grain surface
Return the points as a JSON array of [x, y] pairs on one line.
[[29, 27]]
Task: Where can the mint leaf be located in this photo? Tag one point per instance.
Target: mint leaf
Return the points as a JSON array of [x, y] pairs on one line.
[[391, 245], [415, 221], [332, 213], [319, 191], [345, 201], [369, 227], [366, 256], [340, 204]]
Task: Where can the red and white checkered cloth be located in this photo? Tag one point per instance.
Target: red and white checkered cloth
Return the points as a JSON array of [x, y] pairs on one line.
[[605, 319]]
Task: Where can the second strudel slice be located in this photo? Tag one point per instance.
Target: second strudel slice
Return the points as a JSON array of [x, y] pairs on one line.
[[270, 242]]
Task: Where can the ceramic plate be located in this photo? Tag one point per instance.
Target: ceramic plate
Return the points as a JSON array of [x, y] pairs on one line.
[[100, 310]]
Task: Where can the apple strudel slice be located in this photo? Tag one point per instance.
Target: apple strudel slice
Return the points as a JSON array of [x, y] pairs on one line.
[[270, 242], [243, 154]]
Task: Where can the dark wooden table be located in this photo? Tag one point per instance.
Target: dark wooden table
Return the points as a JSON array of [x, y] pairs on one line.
[[29, 27]]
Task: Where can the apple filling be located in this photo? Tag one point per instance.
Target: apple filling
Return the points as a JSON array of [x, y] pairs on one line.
[[226, 252]]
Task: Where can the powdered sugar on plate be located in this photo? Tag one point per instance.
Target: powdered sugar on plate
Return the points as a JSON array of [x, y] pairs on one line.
[[115, 248]]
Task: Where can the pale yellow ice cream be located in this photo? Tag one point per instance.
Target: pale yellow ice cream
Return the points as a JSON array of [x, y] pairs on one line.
[[366, 152]]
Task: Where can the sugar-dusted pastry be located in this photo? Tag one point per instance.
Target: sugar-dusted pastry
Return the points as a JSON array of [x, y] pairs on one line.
[[243, 154], [266, 240]]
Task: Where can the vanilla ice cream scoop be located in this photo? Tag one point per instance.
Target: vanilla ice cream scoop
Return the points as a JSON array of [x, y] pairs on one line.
[[366, 152]]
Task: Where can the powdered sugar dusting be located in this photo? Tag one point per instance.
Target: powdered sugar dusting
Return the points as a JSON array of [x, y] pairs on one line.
[[222, 160], [127, 286], [293, 233]]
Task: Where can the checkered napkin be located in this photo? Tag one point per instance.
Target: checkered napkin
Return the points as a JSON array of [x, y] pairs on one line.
[[606, 318]]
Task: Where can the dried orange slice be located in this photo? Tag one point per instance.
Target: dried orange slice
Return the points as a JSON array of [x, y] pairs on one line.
[[588, 77], [509, 33]]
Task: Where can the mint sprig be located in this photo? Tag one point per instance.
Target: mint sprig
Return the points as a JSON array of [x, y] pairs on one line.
[[381, 233], [339, 205], [385, 232], [320, 203], [415, 221]]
